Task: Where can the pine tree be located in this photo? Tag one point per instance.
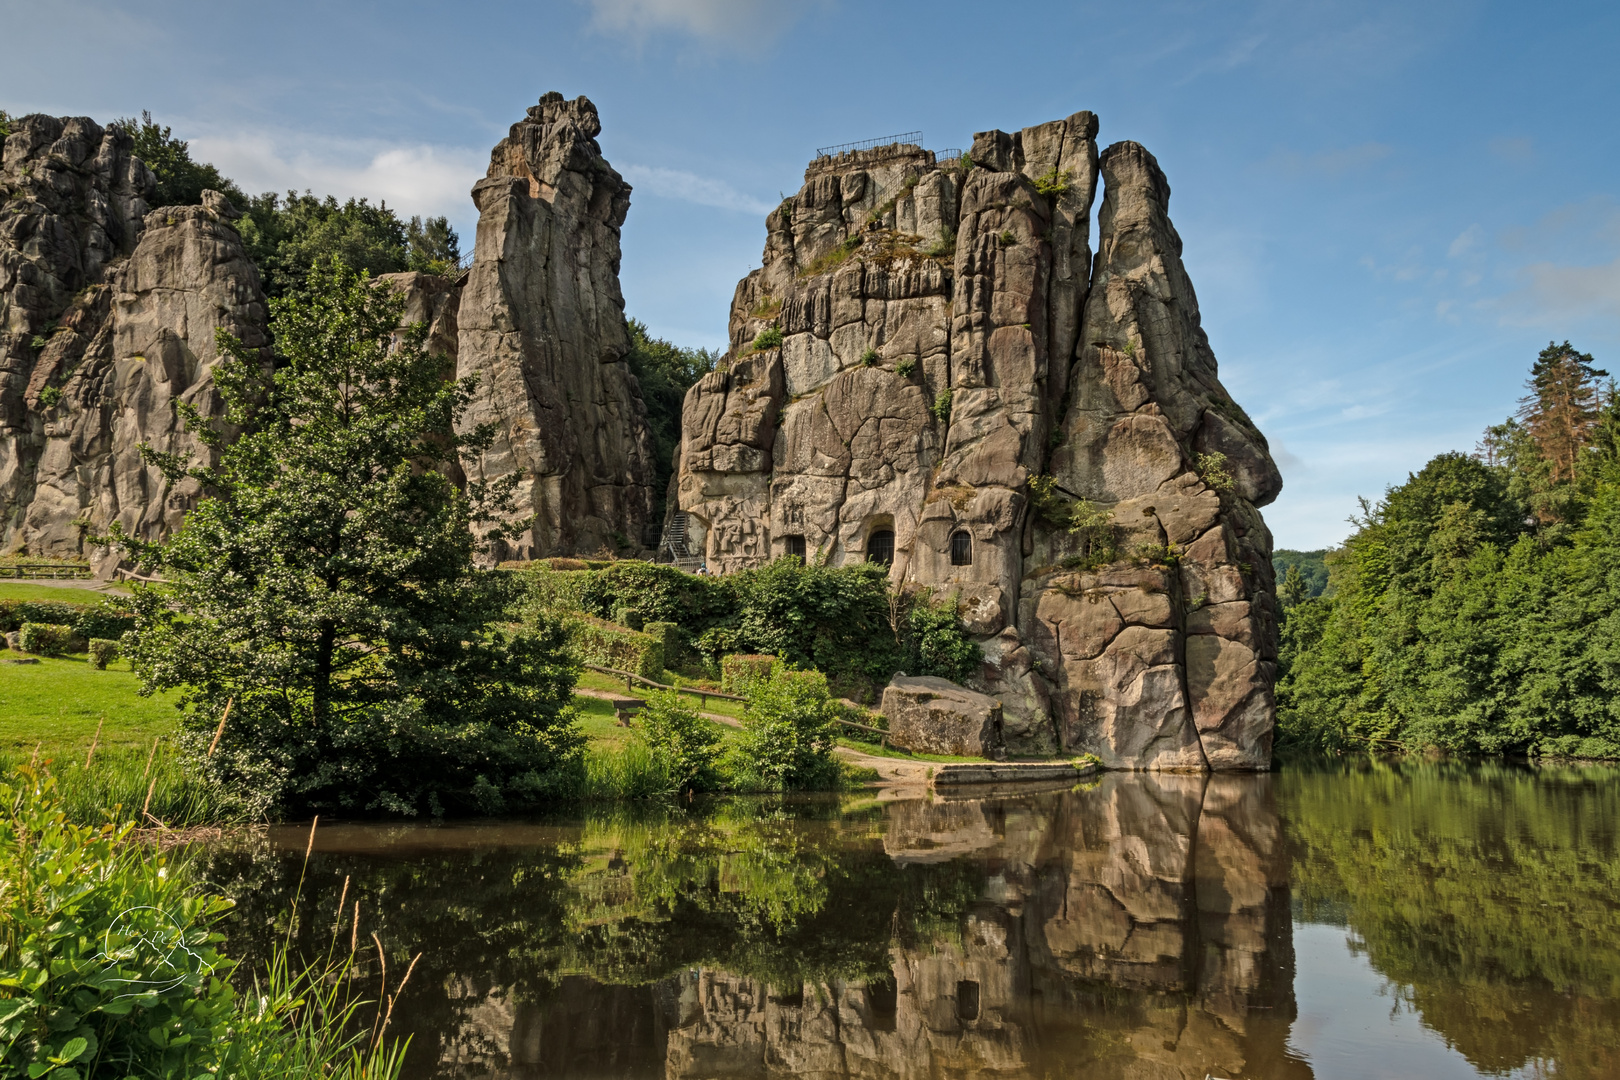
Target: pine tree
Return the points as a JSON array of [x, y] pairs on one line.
[[1562, 407]]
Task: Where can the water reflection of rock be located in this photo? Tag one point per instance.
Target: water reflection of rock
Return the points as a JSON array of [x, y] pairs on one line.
[[1136, 929]]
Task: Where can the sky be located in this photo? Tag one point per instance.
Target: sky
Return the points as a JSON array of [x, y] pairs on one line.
[[1387, 208]]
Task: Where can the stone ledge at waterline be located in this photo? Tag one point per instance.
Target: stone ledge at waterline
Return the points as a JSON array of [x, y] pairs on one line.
[[945, 379]]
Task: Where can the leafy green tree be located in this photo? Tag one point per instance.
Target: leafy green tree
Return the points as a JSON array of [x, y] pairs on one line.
[[665, 373], [326, 584], [181, 181], [285, 237], [5, 123], [432, 246]]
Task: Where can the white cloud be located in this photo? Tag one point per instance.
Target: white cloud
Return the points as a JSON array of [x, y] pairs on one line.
[[692, 188], [1467, 240], [412, 179], [737, 22]]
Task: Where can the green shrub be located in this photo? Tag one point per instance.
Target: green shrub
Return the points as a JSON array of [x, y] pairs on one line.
[[768, 338], [110, 966], [597, 641], [1212, 469], [107, 958], [943, 646], [906, 368], [13, 613], [668, 634], [47, 639], [869, 358], [1052, 182], [50, 397], [102, 652], [109, 620], [739, 671], [1008, 238], [687, 744], [942, 406], [632, 771], [788, 734]]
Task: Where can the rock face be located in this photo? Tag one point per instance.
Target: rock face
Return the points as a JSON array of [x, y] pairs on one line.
[[541, 323], [109, 315], [935, 716], [945, 340]]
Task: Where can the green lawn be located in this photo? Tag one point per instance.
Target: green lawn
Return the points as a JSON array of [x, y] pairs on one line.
[[904, 755], [27, 590], [595, 680], [59, 701]]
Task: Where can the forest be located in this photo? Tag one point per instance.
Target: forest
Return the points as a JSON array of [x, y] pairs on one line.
[[1475, 609]]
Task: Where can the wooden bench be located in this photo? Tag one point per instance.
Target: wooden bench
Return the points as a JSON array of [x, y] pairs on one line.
[[624, 708]]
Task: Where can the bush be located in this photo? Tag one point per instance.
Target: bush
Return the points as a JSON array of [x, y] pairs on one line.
[[869, 358], [597, 641], [668, 635], [943, 646], [111, 968], [47, 639], [739, 671], [102, 653], [788, 733], [906, 368], [942, 406], [110, 621], [13, 613], [107, 959], [687, 745], [768, 338]]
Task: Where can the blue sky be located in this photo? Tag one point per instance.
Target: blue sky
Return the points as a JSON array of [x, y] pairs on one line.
[[1388, 208]]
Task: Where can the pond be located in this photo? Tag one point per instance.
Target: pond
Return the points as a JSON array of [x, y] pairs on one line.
[[1346, 921]]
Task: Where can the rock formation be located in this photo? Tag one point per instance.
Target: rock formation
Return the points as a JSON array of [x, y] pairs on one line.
[[108, 316], [541, 323], [944, 340]]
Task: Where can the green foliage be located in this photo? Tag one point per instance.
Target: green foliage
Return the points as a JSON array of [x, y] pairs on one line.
[[432, 247], [597, 641], [327, 587], [740, 671], [110, 960], [50, 397], [1212, 470], [944, 247], [665, 372], [906, 368], [788, 734], [5, 124], [102, 652], [1090, 524], [1472, 610], [1310, 565], [870, 358], [687, 745], [1052, 182], [1008, 238], [835, 258], [941, 408], [47, 639], [768, 338], [941, 647], [843, 621], [286, 237], [180, 181]]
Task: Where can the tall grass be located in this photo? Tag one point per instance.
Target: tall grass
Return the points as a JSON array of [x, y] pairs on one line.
[[109, 967], [632, 771], [124, 785]]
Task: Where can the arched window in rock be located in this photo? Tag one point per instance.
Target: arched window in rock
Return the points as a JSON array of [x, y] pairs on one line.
[[880, 546], [794, 546], [961, 548]]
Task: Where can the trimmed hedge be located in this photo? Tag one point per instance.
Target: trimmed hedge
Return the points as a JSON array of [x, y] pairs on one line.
[[102, 652], [739, 671], [597, 641], [94, 620], [48, 639]]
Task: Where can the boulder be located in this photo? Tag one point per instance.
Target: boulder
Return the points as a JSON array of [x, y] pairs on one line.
[[936, 716]]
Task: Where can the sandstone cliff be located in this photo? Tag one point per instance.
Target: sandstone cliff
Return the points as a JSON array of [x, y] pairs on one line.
[[108, 316], [541, 323], [945, 339]]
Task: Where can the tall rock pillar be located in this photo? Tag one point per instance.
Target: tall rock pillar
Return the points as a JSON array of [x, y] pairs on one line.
[[541, 323]]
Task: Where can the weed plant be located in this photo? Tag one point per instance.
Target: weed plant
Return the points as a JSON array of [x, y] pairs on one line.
[[110, 967]]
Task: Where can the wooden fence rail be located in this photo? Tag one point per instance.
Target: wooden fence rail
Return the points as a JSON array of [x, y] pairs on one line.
[[24, 571]]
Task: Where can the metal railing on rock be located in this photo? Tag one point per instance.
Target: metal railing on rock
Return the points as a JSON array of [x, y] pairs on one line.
[[913, 137]]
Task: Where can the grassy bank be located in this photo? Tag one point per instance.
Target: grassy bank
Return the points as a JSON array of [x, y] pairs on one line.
[[89, 913]]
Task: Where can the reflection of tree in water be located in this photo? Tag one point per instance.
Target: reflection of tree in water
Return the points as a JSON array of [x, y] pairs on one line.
[[1142, 924], [1486, 893]]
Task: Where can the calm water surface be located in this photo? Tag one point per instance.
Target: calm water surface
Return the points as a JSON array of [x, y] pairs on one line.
[[1345, 922]]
